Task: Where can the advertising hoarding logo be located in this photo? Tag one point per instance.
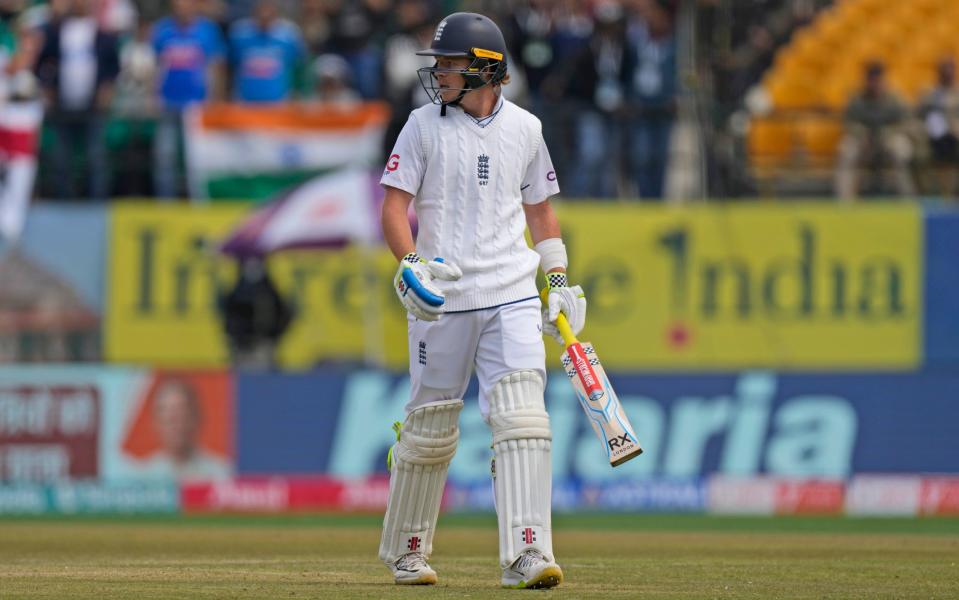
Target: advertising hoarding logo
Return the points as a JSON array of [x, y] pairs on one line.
[[49, 432], [751, 286]]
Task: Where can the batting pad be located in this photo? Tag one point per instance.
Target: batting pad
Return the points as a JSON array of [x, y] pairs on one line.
[[421, 457], [522, 479]]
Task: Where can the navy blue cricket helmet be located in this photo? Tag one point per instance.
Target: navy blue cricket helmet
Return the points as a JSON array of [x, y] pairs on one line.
[[466, 35]]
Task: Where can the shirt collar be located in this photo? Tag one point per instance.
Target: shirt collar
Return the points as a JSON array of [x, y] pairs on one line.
[[484, 121]]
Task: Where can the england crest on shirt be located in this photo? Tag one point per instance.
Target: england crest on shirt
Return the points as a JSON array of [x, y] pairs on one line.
[[482, 169]]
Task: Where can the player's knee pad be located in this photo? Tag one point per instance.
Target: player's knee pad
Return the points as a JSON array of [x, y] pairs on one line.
[[517, 409], [429, 434], [419, 461], [522, 471]]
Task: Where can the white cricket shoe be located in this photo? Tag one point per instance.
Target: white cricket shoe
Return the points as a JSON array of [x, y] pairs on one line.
[[412, 569], [532, 571]]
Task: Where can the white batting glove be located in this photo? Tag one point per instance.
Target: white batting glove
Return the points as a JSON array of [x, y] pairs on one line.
[[414, 285], [570, 300]]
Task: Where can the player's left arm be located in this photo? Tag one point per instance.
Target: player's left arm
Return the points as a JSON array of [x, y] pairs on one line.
[[542, 223], [547, 242]]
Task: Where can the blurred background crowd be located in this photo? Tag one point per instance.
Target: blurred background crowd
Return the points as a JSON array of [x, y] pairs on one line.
[[117, 74], [640, 99]]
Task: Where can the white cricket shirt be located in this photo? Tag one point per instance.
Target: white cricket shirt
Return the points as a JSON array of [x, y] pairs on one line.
[[469, 183]]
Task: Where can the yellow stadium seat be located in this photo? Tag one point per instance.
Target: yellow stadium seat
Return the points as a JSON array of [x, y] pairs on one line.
[[819, 136], [836, 92], [792, 93], [770, 142], [910, 82]]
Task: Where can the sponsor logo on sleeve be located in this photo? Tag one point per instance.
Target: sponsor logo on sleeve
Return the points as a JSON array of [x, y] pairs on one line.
[[393, 163]]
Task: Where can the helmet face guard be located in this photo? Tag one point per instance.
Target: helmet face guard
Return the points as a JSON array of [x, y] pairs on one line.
[[480, 72]]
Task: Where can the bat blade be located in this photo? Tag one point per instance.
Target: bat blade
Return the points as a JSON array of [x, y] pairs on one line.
[[599, 401]]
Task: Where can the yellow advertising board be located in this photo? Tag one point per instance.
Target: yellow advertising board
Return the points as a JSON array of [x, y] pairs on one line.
[[165, 277], [795, 286], [778, 286]]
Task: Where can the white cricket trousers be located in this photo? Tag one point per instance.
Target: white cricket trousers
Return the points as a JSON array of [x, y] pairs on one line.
[[495, 341]]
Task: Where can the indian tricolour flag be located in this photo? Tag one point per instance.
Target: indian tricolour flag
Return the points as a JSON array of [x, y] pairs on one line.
[[19, 130], [247, 151]]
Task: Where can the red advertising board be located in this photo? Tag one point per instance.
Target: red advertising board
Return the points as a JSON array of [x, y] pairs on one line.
[[795, 497], [279, 494], [49, 432], [939, 496]]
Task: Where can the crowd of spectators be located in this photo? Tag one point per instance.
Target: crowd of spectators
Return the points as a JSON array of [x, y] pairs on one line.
[[116, 76], [883, 134], [737, 41], [887, 146]]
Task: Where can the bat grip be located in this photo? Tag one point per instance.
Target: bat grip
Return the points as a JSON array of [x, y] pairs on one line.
[[565, 330]]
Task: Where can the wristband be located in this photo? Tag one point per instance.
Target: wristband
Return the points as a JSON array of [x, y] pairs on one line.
[[556, 279], [552, 254]]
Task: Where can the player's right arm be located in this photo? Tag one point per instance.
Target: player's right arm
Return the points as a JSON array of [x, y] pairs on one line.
[[396, 223], [414, 277]]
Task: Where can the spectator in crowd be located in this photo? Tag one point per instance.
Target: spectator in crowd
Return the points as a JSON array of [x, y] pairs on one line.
[[77, 67], [19, 105], [874, 137], [178, 419], [939, 111], [334, 81], [217, 12], [135, 106], [653, 92], [135, 92], [529, 32], [545, 39], [255, 316], [267, 55], [190, 51], [19, 48], [152, 10], [314, 19], [355, 29], [414, 31], [117, 16], [413, 27], [8, 13], [595, 82]]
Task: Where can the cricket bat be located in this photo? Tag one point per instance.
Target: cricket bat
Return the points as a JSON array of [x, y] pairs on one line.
[[597, 397]]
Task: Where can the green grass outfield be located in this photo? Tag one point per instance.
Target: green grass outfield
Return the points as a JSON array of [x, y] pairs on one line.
[[603, 556]]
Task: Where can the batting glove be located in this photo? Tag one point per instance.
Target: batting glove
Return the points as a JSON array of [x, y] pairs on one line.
[[571, 301], [414, 285]]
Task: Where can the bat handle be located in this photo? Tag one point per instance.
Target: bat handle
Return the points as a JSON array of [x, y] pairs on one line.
[[565, 330]]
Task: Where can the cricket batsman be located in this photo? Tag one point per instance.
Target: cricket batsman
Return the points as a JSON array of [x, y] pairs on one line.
[[478, 172]]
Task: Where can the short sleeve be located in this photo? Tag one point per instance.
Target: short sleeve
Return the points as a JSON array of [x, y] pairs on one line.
[[540, 180], [406, 165]]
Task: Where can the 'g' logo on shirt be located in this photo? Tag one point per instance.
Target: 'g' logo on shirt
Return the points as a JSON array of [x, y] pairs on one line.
[[393, 163]]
